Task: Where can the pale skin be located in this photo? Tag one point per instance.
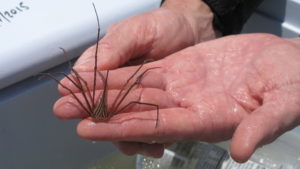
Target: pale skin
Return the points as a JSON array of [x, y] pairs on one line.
[[245, 88]]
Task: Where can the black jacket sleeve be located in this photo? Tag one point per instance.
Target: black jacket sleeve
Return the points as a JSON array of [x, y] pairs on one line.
[[230, 15]]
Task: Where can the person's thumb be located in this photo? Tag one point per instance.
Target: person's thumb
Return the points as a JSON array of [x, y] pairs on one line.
[[262, 126], [126, 40]]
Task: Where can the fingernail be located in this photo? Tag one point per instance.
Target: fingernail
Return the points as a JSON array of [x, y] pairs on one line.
[[91, 123]]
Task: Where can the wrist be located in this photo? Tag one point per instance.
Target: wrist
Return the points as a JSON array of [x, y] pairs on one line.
[[198, 15]]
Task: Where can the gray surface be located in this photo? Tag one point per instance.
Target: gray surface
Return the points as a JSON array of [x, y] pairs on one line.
[[280, 18], [273, 9], [32, 138], [115, 160]]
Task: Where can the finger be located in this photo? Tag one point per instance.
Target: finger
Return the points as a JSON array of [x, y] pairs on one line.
[[131, 148], [152, 78], [125, 40], [168, 125], [261, 127], [68, 107]]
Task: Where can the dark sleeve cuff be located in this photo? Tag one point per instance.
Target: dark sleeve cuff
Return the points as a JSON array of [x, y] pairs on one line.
[[231, 15]]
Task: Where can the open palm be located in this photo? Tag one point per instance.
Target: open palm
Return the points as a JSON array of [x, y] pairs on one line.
[[230, 87]]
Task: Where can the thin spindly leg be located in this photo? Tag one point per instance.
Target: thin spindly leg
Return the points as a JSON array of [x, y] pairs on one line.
[[137, 81], [68, 89], [96, 54], [71, 80], [81, 86], [124, 86], [100, 111], [80, 80]]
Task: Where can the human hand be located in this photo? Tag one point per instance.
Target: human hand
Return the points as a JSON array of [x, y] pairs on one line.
[[153, 35], [244, 87]]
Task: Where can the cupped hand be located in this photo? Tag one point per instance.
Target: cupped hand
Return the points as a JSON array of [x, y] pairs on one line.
[[152, 35], [244, 87]]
